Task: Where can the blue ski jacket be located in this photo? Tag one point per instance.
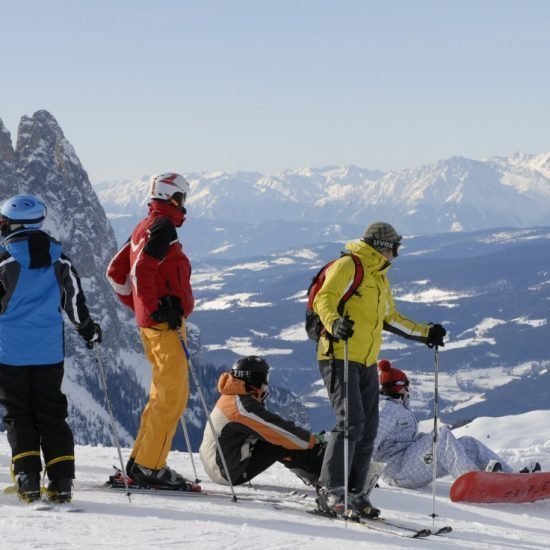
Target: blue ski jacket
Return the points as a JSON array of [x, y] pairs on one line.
[[37, 281]]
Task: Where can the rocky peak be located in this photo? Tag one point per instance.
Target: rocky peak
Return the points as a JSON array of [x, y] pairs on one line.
[[45, 164], [7, 155]]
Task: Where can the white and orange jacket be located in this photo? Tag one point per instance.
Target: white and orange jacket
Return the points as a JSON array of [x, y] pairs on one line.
[[239, 420]]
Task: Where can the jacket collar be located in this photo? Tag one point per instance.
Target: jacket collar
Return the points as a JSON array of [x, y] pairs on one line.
[[229, 385], [371, 258], [160, 208]]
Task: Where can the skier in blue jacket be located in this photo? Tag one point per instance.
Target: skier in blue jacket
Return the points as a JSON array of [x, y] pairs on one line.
[[37, 281]]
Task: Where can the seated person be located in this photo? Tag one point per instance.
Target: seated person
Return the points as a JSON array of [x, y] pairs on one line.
[[408, 453], [251, 437]]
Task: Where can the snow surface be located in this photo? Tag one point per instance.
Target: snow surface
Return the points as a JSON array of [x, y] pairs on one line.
[[150, 521]]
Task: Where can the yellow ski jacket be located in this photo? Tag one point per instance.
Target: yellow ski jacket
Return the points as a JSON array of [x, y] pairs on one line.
[[371, 308]]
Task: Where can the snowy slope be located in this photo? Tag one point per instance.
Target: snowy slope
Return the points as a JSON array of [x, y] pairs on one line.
[[148, 522]]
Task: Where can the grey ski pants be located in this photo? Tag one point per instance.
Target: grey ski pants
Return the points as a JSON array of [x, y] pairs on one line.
[[362, 423]]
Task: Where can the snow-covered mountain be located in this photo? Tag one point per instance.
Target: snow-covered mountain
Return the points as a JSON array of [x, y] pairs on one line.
[[490, 288], [451, 195], [45, 164]]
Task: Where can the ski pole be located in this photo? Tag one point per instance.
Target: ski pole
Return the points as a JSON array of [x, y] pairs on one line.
[[203, 401], [434, 441], [346, 427], [113, 424], [188, 444]]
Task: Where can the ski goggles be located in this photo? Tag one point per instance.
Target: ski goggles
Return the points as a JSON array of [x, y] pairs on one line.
[[386, 244], [178, 200], [394, 383]]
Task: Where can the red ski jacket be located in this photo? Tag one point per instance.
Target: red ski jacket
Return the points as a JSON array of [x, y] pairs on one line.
[[151, 264]]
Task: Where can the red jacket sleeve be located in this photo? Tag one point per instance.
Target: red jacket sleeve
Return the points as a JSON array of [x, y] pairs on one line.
[[118, 275]]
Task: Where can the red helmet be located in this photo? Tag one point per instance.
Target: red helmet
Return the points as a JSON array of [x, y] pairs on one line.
[[392, 380]]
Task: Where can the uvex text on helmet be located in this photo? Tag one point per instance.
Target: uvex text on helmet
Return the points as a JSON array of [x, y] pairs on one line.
[[25, 210], [382, 236], [165, 186], [253, 370]]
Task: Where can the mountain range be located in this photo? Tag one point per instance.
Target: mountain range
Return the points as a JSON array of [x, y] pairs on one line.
[[45, 164], [456, 194], [475, 256]]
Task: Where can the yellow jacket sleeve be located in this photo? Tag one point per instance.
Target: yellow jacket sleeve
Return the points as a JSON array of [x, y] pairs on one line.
[[338, 278]]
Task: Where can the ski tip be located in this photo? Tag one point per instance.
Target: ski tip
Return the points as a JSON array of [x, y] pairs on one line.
[[422, 533]]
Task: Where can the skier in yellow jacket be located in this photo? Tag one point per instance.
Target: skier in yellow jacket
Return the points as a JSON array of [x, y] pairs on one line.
[[367, 313]]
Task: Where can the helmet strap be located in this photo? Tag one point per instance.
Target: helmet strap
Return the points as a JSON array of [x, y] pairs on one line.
[[8, 228]]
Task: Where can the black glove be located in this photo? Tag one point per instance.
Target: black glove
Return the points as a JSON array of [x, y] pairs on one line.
[[91, 332], [169, 311], [435, 336], [343, 328]]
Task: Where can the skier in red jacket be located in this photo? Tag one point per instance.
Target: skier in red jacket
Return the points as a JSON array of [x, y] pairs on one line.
[[151, 275]]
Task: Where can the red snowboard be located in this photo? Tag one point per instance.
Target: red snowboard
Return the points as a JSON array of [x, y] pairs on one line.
[[501, 487]]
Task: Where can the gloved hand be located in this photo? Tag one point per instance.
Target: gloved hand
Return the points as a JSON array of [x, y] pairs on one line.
[[320, 437], [169, 311], [91, 332], [343, 328], [435, 336]]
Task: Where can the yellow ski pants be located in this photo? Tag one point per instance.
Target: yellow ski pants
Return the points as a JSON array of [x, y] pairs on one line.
[[167, 397]]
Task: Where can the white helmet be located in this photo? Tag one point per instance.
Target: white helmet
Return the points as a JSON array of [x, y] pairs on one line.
[[164, 186]]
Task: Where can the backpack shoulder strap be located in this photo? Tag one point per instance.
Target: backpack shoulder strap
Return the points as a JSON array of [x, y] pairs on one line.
[[357, 279]]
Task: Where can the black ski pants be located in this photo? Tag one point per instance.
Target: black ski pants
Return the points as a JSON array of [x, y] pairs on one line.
[[36, 412], [305, 464], [362, 422]]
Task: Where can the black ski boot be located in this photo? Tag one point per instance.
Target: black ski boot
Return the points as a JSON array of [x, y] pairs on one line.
[[60, 490], [531, 468], [28, 486], [165, 477], [129, 466], [361, 506], [331, 501], [494, 466]]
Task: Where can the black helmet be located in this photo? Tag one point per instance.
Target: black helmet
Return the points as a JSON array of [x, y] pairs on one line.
[[252, 369]]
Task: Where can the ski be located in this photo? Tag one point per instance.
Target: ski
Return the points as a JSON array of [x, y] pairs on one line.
[[380, 525], [39, 506], [409, 529], [116, 483], [154, 491], [66, 508], [53, 507], [398, 525]]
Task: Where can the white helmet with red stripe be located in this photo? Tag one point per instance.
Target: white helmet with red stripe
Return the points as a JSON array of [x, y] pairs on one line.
[[164, 186]]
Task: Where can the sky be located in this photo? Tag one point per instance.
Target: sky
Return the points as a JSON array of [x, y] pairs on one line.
[[142, 87]]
